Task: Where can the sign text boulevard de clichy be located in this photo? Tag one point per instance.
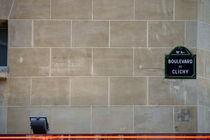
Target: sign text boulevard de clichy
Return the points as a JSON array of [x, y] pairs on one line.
[[181, 62]]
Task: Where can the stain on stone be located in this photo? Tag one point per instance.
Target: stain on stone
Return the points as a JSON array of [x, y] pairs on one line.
[[183, 115]]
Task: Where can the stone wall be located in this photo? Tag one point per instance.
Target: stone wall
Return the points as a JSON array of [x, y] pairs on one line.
[[97, 66], [203, 45]]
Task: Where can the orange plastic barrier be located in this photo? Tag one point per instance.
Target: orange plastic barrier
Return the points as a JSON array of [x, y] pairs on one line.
[[99, 137]]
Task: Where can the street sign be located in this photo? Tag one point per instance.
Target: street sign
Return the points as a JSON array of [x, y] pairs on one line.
[[180, 64]]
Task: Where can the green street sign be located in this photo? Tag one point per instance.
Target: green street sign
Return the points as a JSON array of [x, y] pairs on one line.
[[180, 64]]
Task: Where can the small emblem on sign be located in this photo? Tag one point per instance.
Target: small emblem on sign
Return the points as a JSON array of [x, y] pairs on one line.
[[180, 64]]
